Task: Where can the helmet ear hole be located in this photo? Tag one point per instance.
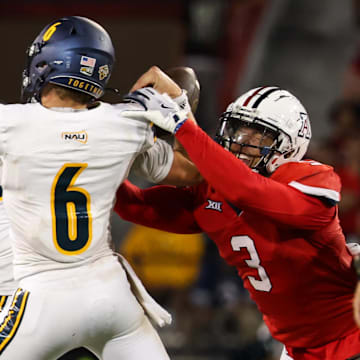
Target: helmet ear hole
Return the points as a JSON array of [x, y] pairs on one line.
[[290, 154]]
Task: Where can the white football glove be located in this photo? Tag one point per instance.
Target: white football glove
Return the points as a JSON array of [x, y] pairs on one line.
[[158, 108]]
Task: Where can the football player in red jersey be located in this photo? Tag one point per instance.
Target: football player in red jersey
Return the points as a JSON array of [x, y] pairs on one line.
[[272, 215]]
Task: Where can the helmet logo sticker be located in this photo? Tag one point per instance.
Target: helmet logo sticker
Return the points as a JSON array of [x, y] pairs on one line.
[[79, 136], [87, 70], [88, 61], [88, 65], [50, 31], [305, 130], [103, 72]]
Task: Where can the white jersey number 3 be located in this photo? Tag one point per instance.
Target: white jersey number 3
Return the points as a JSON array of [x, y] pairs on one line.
[[239, 242]]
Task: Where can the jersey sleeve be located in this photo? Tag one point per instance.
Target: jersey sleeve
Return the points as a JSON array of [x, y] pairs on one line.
[[141, 131], [155, 163], [161, 207], [311, 178], [281, 202], [149, 137]]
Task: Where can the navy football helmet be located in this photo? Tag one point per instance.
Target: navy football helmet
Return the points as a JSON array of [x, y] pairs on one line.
[[74, 52]]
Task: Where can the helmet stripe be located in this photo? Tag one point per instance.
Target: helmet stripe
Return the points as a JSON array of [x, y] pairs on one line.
[[253, 94], [263, 96]]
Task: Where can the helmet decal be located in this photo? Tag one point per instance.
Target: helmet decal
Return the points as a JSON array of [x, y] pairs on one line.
[[88, 65], [50, 31], [305, 129], [263, 96], [256, 92], [103, 72]]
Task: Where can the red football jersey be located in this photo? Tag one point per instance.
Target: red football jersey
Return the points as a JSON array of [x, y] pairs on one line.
[[301, 279], [281, 233]]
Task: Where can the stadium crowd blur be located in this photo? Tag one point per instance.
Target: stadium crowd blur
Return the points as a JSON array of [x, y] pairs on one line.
[[234, 45]]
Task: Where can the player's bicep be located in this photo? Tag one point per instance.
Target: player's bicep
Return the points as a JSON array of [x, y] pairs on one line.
[[183, 172]]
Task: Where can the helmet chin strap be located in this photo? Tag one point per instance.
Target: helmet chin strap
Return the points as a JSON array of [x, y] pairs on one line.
[[270, 164]]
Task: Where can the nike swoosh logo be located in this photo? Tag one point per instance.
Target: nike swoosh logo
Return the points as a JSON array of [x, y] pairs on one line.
[[165, 107]]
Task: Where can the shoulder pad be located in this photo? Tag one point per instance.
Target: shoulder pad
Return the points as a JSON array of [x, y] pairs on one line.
[[312, 178]]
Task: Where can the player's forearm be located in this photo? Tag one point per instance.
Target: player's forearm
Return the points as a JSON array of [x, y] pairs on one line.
[[161, 207], [183, 172], [247, 189]]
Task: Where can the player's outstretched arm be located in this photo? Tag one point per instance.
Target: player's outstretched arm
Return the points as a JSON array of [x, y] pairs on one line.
[[187, 79], [249, 190], [183, 171], [165, 208], [229, 176], [182, 83], [163, 83]]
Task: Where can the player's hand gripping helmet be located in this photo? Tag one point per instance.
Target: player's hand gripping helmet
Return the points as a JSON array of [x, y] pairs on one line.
[[278, 116], [74, 52]]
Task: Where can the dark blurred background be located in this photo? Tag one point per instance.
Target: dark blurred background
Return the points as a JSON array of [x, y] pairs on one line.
[[308, 47]]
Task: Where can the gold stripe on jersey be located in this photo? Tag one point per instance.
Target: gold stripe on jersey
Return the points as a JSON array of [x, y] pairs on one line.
[[71, 213], [2, 302], [1, 193], [11, 322]]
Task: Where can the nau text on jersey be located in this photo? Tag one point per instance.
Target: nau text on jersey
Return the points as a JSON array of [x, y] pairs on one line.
[[80, 136]]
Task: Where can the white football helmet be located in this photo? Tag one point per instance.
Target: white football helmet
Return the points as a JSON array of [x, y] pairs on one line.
[[274, 112]]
